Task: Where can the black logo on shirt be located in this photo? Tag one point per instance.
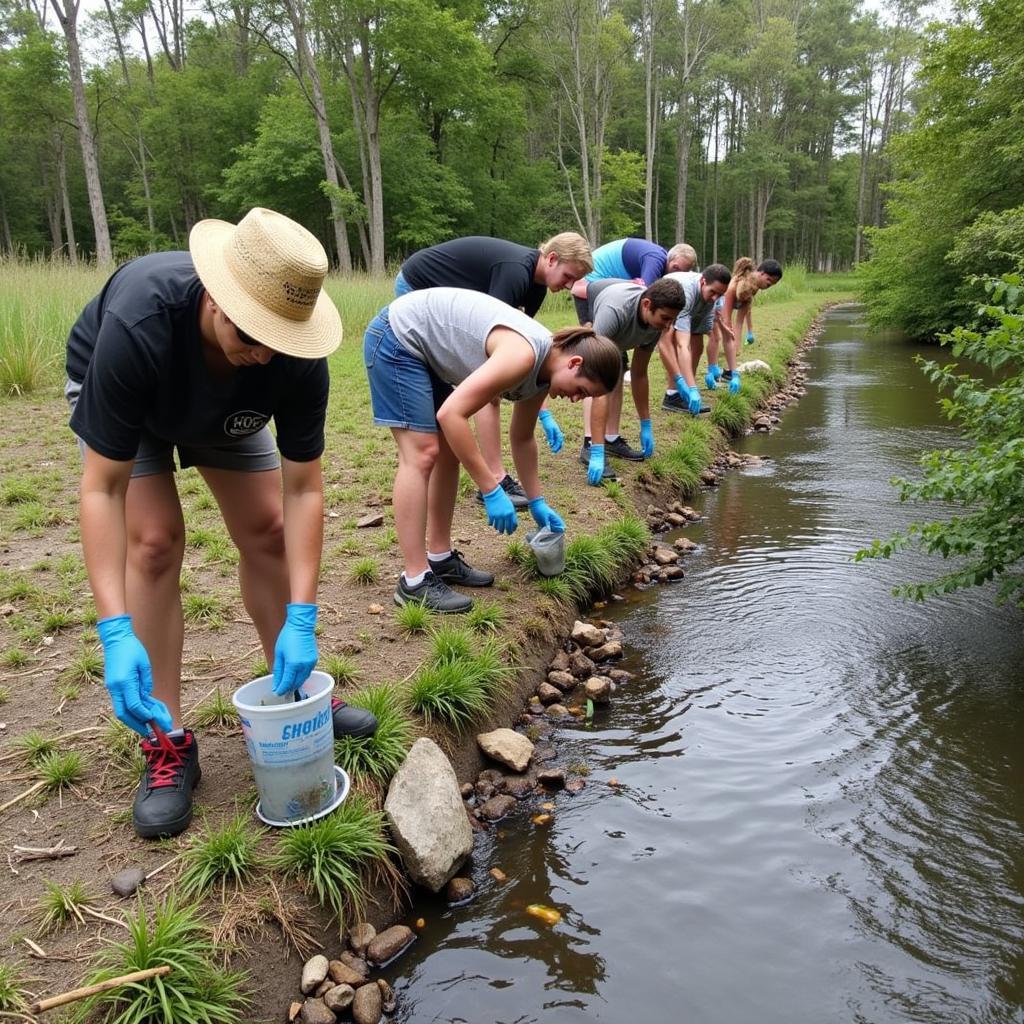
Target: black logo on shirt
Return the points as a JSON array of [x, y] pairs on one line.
[[241, 424]]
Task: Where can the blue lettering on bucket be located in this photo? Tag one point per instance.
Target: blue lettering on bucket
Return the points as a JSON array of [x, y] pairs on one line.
[[296, 730]]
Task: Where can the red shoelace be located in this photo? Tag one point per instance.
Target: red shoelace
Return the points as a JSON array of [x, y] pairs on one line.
[[163, 758]]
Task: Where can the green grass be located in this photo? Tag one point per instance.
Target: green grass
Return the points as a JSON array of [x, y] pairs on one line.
[[216, 712], [413, 618], [333, 858], [341, 668], [485, 617], [62, 905], [86, 667], [59, 770], [223, 856], [17, 491], [364, 572], [13, 998], [122, 751], [205, 609], [377, 757], [449, 644], [684, 461], [5, 694], [15, 658], [197, 989], [34, 745], [448, 694]]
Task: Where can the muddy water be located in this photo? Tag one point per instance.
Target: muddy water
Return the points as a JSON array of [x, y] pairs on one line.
[[821, 797]]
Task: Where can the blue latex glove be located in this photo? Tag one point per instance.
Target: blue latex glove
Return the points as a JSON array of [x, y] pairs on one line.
[[129, 678], [693, 399], [552, 431], [734, 382], [646, 438], [595, 469], [544, 515], [295, 652], [501, 513], [749, 339], [711, 378], [716, 369]]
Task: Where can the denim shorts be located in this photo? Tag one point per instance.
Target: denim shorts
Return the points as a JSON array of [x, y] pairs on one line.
[[404, 392], [254, 453], [401, 285]]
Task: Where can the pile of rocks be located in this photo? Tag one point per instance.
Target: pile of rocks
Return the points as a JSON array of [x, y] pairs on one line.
[[663, 563], [337, 989], [672, 518]]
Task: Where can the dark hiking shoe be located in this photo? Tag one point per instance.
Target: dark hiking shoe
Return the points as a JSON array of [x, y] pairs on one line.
[[620, 448], [455, 569], [513, 489], [351, 721], [676, 403], [434, 594], [608, 474], [163, 803]]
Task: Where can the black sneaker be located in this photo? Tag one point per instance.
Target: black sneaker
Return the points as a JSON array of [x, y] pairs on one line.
[[676, 403], [163, 803], [608, 474], [435, 594], [454, 569], [621, 449], [351, 721], [513, 489]]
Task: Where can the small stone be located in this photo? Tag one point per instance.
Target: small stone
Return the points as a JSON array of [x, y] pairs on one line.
[[375, 608], [293, 1011], [388, 999], [598, 689], [565, 681], [548, 694], [708, 478], [507, 746], [459, 890], [685, 545], [372, 519], [619, 676], [360, 936], [125, 882], [327, 983], [560, 662], [586, 635], [314, 1011], [367, 1005], [342, 974], [557, 710], [520, 787], [484, 789], [498, 875], [554, 778], [675, 519], [314, 971], [612, 649], [580, 665], [339, 998], [497, 807], [467, 790], [356, 963], [389, 943], [493, 776], [664, 555], [672, 572], [575, 786]]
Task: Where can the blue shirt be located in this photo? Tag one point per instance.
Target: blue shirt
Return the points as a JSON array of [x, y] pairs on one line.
[[629, 258]]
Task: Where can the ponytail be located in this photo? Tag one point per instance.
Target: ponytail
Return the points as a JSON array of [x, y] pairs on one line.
[[602, 360], [743, 275]]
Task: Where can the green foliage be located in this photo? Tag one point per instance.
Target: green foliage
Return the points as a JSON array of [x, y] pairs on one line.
[[449, 694], [485, 617], [333, 857], [341, 668], [12, 991], [365, 571], [223, 856], [984, 480], [61, 905], [684, 461], [379, 756], [449, 644], [33, 746], [196, 989], [59, 770], [216, 712], [413, 618]]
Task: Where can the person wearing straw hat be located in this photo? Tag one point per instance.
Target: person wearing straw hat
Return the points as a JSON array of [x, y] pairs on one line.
[[197, 351]]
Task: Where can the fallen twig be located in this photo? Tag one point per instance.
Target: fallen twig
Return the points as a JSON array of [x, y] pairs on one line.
[[42, 1005], [21, 796], [36, 949], [44, 853]]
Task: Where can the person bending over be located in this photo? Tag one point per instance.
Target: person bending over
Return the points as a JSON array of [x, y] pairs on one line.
[[434, 358], [198, 351], [516, 274]]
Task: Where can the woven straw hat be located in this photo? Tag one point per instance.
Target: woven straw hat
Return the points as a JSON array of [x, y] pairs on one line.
[[267, 274]]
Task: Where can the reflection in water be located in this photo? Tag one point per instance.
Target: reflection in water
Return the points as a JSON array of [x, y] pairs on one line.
[[822, 789]]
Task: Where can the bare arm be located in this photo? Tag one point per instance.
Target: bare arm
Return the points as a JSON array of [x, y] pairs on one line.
[[104, 532], [728, 306], [524, 444], [674, 349], [303, 527], [640, 383]]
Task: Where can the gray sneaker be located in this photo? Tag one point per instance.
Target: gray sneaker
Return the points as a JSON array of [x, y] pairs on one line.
[[434, 594], [608, 474], [455, 569], [513, 489]]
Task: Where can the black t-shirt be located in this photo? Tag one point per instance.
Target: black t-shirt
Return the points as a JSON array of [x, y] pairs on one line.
[[137, 352], [490, 265]]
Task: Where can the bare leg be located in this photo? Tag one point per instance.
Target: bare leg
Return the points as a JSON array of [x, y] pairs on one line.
[[713, 341], [251, 504], [488, 437], [696, 351], [417, 454], [441, 494], [614, 420], [156, 545]]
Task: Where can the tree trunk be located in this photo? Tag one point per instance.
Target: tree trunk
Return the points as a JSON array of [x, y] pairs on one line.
[[62, 184], [683, 136]]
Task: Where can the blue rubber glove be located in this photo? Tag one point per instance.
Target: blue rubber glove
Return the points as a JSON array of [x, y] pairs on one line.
[[552, 431], [646, 438], [544, 515], [717, 370], [734, 382], [711, 378], [749, 339], [501, 513], [595, 469], [295, 652], [693, 398], [129, 678]]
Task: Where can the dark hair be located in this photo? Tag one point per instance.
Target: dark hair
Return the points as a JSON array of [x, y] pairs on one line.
[[665, 293], [602, 360], [716, 273], [773, 268]]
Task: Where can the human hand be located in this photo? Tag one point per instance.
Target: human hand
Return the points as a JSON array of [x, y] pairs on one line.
[[544, 515], [734, 382], [595, 469], [501, 513], [646, 438], [295, 652], [693, 400], [552, 431], [711, 378], [749, 339], [128, 677]]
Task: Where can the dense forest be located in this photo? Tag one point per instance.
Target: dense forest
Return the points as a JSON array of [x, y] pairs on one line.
[[760, 127]]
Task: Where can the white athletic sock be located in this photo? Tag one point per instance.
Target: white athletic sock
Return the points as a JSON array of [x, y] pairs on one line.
[[433, 557], [609, 438], [671, 391], [413, 581]]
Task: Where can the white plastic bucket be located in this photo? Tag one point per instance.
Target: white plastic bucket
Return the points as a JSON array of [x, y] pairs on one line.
[[291, 746], [549, 548]]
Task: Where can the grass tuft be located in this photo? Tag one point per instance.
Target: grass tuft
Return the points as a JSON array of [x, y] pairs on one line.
[[448, 693], [223, 856], [364, 571], [207, 609], [413, 618], [122, 751], [216, 712], [60, 905], [12, 994], [485, 617], [85, 667], [59, 770], [33, 746], [377, 757], [449, 644], [341, 668]]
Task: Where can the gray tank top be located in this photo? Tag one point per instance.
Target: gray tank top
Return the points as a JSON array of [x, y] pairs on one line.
[[447, 329]]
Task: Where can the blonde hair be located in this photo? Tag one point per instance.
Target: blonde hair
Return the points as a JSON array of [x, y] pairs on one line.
[[684, 252], [602, 360], [743, 275], [569, 247]]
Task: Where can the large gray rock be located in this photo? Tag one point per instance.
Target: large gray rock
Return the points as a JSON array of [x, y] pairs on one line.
[[366, 1007], [586, 635], [314, 972], [428, 821], [509, 747]]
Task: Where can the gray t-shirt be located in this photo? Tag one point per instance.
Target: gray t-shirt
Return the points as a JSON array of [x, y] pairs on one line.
[[447, 329], [615, 306], [698, 315]]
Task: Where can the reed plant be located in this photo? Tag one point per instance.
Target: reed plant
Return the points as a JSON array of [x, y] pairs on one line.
[[220, 857], [379, 756]]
